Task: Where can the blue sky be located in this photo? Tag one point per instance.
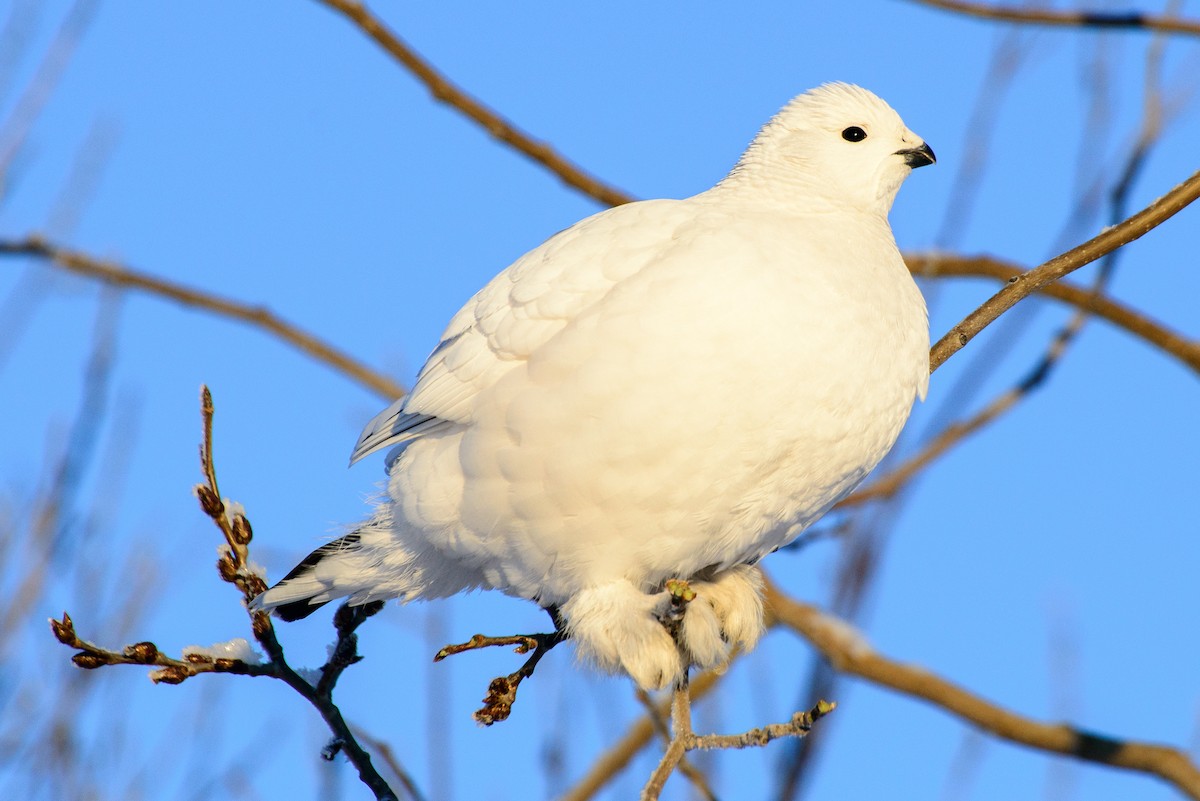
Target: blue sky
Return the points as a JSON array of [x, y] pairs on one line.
[[269, 152]]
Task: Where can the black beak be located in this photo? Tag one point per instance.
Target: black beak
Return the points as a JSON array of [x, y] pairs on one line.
[[918, 156]]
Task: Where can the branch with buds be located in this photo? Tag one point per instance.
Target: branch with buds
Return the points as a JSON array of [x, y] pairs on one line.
[[237, 657]]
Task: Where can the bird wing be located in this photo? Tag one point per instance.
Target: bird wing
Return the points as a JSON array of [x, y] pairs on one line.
[[518, 311]]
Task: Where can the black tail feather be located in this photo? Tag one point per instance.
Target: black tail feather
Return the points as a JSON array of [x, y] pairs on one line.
[[298, 610]]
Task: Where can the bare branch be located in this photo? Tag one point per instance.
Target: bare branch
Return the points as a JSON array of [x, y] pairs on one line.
[[1111, 20], [1025, 284], [443, 90], [1134, 322], [690, 771], [852, 655], [258, 316]]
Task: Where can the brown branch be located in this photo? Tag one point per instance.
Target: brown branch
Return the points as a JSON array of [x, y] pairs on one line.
[[446, 92], [1025, 284], [1132, 321], [854, 656], [120, 276], [691, 772], [1111, 20]]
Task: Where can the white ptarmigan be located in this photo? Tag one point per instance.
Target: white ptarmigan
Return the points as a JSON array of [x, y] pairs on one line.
[[670, 389]]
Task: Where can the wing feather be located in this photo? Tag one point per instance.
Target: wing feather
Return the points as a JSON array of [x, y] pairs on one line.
[[520, 310]]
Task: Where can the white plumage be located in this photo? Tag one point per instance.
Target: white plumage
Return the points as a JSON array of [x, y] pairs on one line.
[[669, 389]]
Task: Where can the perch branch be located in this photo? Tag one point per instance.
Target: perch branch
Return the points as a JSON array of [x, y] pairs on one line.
[[640, 734], [684, 739]]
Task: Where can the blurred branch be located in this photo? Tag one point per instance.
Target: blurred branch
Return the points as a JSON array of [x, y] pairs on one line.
[[258, 316], [1108, 19], [1120, 20], [850, 653], [388, 755], [500, 128], [40, 88], [1025, 284], [48, 540]]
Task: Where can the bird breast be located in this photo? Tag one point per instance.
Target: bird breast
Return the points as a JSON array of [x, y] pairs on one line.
[[703, 413]]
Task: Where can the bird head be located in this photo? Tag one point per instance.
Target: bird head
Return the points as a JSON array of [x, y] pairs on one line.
[[836, 146]]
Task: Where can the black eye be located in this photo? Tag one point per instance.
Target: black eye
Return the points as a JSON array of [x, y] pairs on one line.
[[854, 134]]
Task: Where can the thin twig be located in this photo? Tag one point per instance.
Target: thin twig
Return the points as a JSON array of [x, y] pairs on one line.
[[851, 654], [502, 691], [126, 278], [446, 92], [1086, 301], [38, 91], [1109, 20]]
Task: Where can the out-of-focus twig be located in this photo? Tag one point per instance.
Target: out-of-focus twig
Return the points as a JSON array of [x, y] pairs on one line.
[[388, 755], [48, 537], [850, 653], [41, 87], [1111, 20], [121, 276], [445, 91]]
